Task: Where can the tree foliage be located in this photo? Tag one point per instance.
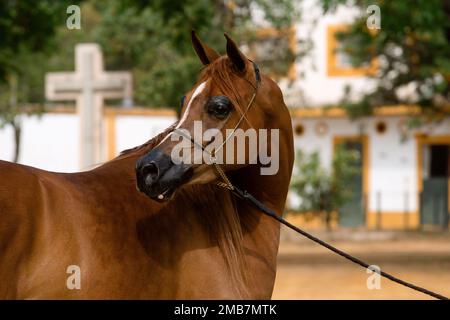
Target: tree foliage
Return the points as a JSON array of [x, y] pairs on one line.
[[413, 52], [27, 33], [321, 190], [149, 38], [153, 38], [27, 26]]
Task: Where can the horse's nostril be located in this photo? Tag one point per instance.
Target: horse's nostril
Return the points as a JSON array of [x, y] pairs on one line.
[[150, 173]]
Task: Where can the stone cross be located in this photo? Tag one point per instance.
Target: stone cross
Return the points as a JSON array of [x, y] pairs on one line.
[[89, 85]]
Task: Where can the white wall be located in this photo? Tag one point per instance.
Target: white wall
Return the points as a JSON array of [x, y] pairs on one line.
[[6, 143], [132, 131], [310, 141], [392, 162], [393, 169], [313, 86], [51, 142], [48, 142]]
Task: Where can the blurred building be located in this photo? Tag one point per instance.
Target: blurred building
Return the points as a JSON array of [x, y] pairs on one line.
[[405, 175], [52, 141]]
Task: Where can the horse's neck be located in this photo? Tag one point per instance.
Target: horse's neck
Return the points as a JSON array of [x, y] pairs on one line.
[[200, 217], [196, 231], [261, 233], [117, 180], [269, 189]]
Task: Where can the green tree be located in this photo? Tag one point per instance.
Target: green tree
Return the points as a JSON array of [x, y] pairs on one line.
[[152, 38], [322, 191], [27, 30], [412, 48]]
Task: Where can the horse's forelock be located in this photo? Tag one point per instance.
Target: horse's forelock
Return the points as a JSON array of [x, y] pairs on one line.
[[223, 75]]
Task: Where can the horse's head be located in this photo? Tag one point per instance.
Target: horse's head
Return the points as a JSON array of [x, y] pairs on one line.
[[221, 120]]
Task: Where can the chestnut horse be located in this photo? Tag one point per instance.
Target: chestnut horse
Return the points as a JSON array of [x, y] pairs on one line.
[[202, 243]]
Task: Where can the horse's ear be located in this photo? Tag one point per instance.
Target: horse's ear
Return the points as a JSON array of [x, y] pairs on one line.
[[235, 55], [204, 52]]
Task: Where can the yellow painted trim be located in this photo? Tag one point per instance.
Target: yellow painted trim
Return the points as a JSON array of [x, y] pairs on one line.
[[397, 110], [135, 111], [318, 112], [111, 136], [141, 111], [393, 220], [312, 220], [366, 166], [421, 140], [338, 112], [262, 33], [62, 110], [333, 69]]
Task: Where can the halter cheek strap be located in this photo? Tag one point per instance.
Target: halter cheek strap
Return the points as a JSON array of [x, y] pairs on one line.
[[250, 103], [257, 73], [212, 154]]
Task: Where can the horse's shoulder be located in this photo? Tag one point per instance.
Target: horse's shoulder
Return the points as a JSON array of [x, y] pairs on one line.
[[16, 200], [18, 183], [11, 173]]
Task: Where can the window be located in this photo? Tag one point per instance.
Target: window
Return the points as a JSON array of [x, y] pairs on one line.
[[275, 50], [338, 63]]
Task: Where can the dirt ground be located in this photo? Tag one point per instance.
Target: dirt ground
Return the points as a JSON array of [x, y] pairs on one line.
[[307, 271]]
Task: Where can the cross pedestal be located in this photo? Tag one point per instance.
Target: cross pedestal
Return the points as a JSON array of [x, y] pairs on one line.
[[89, 85]]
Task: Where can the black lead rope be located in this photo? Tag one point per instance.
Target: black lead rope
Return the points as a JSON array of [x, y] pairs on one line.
[[260, 206], [226, 183]]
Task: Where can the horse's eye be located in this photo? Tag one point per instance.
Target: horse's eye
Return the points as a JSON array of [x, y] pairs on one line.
[[182, 101], [219, 107]]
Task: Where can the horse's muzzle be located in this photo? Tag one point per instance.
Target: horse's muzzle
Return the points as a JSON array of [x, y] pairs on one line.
[[158, 177]]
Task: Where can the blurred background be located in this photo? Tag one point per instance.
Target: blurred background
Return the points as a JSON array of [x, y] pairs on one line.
[[367, 83]]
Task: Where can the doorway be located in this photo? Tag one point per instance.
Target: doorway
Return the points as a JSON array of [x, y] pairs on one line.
[[434, 181], [353, 212]]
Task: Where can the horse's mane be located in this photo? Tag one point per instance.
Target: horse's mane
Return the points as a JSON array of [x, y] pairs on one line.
[[223, 226], [147, 146], [216, 211]]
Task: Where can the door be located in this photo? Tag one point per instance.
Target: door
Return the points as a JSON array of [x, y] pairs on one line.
[[434, 197], [352, 213]]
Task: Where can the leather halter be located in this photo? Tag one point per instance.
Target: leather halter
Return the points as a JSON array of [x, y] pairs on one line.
[[212, 155]]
